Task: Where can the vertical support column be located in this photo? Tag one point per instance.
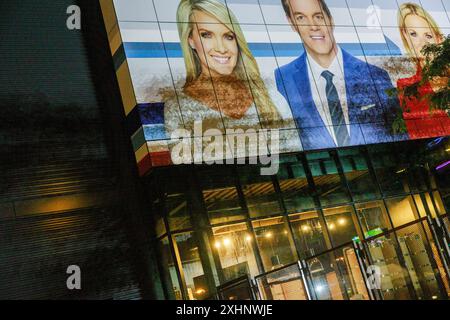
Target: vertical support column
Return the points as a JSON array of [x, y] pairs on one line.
[[441, 238], [200, 223], [306, 279], [179, 267]]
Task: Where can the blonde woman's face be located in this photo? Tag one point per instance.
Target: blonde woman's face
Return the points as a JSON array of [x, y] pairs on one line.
[[418, 34], [215, 45]]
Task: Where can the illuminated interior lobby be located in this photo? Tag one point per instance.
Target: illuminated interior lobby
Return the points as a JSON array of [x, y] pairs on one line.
[[299, 234]]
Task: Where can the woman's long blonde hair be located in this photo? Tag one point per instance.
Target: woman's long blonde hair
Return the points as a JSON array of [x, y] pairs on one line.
[[407, 9], [246, 68]]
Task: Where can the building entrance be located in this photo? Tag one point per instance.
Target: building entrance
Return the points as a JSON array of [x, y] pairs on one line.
[[406, 263]]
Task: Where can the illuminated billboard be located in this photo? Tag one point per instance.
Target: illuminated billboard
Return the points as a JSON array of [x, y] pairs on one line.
[[310, 74]]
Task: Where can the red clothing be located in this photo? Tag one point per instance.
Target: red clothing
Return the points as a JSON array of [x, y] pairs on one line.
[[420, 121]]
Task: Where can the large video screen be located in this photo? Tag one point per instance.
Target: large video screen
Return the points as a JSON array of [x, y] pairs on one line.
[[234, 78]]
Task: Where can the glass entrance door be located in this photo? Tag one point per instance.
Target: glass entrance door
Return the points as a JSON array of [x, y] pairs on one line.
[[336, 275], [287, 283], [407, 264]]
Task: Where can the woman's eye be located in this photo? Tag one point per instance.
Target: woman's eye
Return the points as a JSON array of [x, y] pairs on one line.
[[320, 17], [300, 18], [413, 34], [205, 35], [229, 37], [429, 36]]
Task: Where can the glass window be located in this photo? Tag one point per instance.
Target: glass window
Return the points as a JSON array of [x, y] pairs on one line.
[[399, 168], [384, 253], [259, 192], [220, 194], [373, 218], [197, 288], [157, 214], [330, 187], [402, 210], [275, 245], [336, 275], [391, 175], [234, 245], [297, 194], [359, 180], [418, 177], [439, 203], [426, 205], [431, 205], [420, 206], [341, 224], [168, 270], [417, 254], [308, 233], [174, 184], [177, 211]]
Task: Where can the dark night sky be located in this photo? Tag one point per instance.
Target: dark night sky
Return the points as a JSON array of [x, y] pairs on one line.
[[40, 55]]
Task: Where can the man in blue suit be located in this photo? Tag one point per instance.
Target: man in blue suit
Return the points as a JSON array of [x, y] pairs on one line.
[[336, 99]]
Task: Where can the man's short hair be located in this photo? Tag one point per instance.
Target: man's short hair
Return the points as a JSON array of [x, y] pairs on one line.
[[287, 8]]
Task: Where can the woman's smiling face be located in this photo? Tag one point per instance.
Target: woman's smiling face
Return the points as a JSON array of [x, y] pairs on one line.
[[418, 33], [215, 45]]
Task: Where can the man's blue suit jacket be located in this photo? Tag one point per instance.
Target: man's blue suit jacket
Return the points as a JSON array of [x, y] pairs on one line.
[[371, 110]]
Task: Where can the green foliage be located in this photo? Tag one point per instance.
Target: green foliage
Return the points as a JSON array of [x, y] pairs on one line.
[[436, 69], [437, 65], [399, 125]]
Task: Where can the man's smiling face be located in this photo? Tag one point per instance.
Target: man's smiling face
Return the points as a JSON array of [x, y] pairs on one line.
[[314, 26]]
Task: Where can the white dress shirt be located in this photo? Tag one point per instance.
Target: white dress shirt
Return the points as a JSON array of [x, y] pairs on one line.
[[319, 93]]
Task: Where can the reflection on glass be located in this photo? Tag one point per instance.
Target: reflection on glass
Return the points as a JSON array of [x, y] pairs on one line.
[[169, 271], [220, 194], [336, 276], [431, 205], [297, 194], [341, 224], [391, 174], [447, 223], [356, 172], [177, 211], [444, 276], [353, 277], [439, 204], [426, 205], [197, 288], [308, 233], [402, 210], [234, 248], [284, 284], [330, 188], [157, 214], [174, 185], [394, 281], [422, 271], [324, 277], [418, 178], [259, 192], [420, 206], [373, 218], [275, 247]]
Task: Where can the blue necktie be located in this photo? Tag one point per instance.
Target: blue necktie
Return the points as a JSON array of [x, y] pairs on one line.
[[337, 115]]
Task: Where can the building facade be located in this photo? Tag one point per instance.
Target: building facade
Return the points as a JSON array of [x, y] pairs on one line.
[[215, 224], [361, 188], [142, 228]]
